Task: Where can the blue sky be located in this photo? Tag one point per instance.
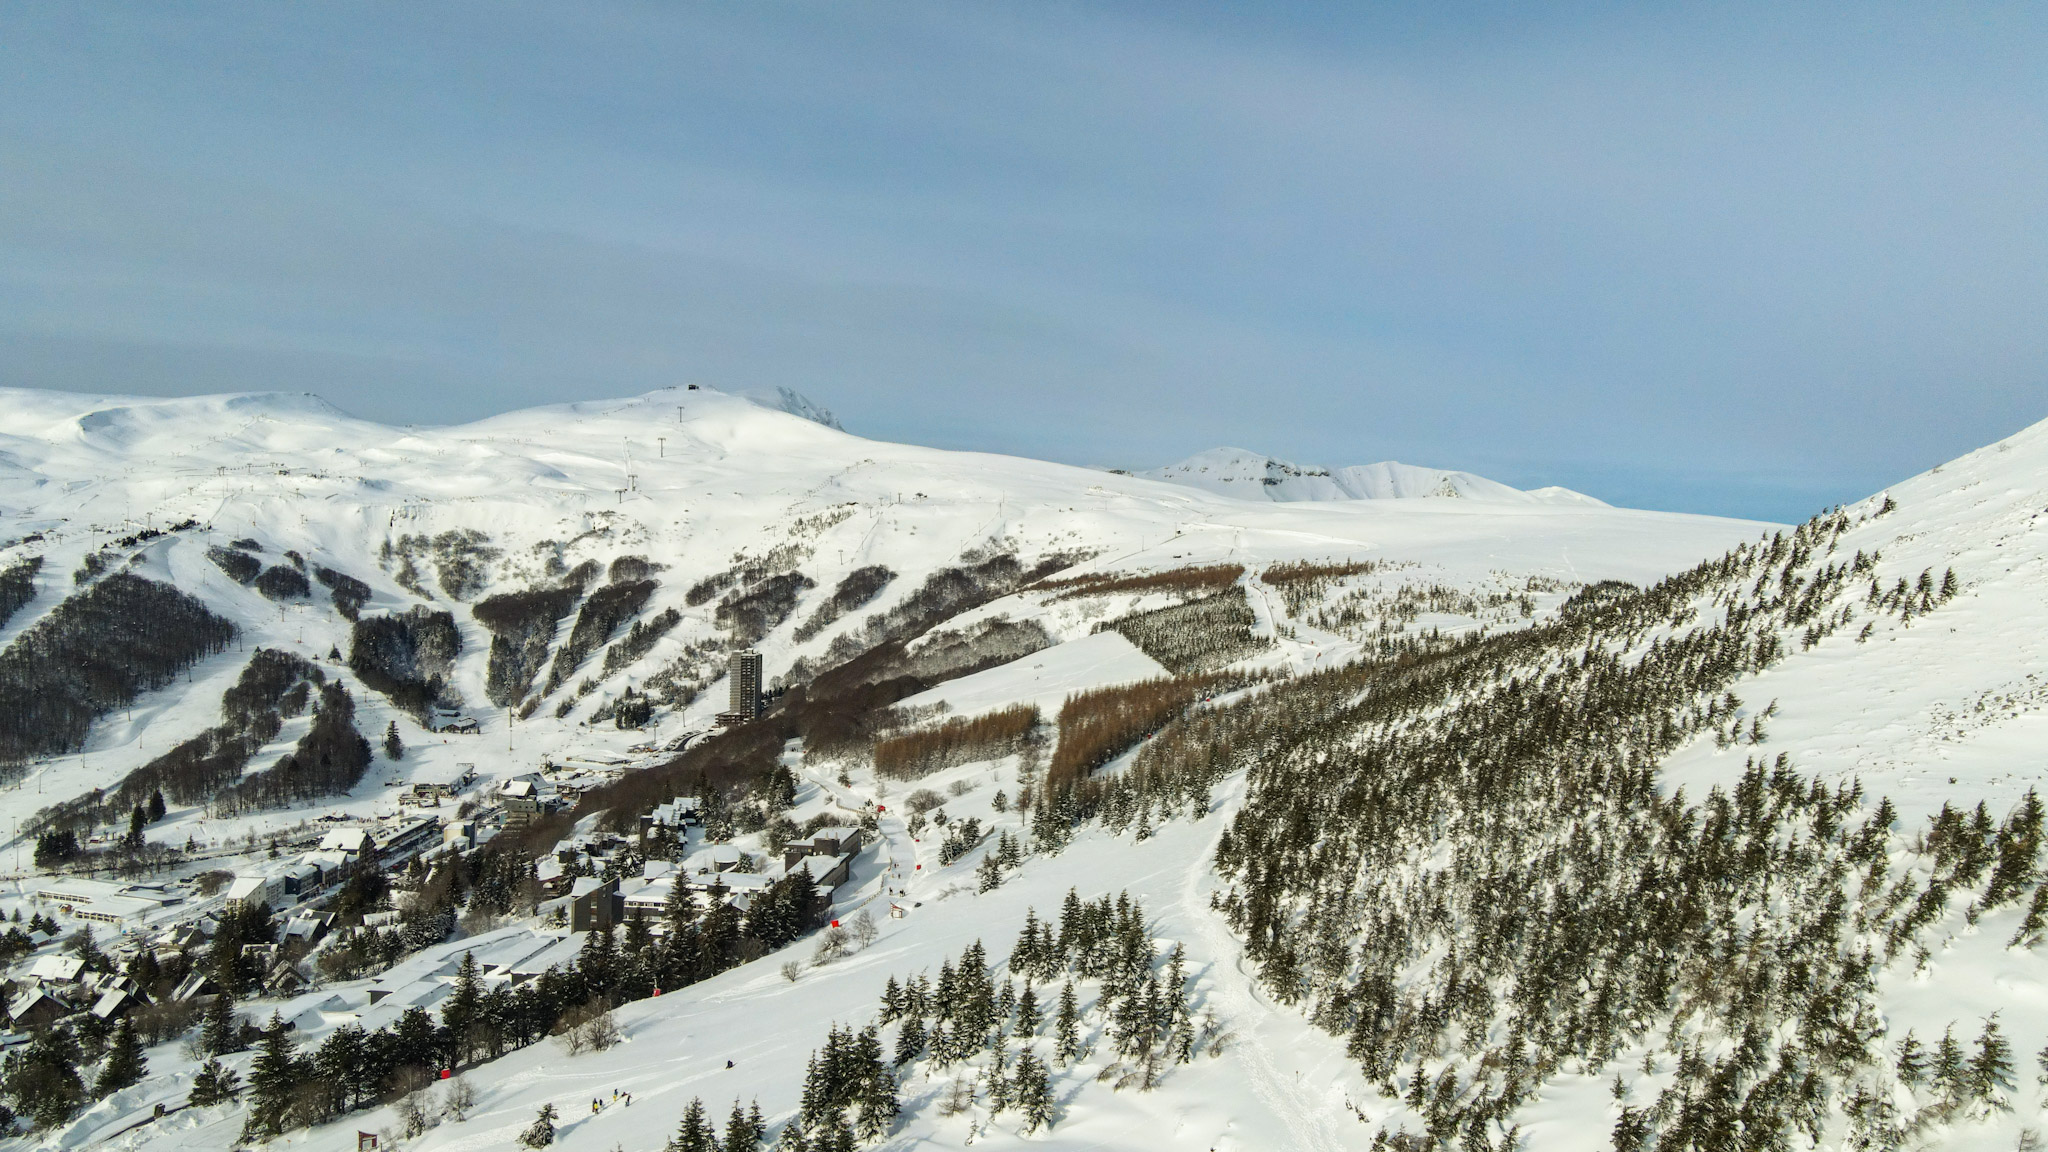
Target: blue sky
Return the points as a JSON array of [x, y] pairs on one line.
[[1736, 259]]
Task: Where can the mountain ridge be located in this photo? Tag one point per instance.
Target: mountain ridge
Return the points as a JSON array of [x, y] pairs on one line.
[[1248, 475]]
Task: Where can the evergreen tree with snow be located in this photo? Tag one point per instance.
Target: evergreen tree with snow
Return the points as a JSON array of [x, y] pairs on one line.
[[743, 1130], [216, 1083], [394, 748], [875, 1099], [541, 1132], [1029, 1014], [695, 1133], [222, 1032], [125, 1064], [999, 1085], [1031, 1089], [1067, 1029], [1949, 1072], [910, 1041], [1990, 1071], [42, 1079], [464, 1009], [272, 1079]]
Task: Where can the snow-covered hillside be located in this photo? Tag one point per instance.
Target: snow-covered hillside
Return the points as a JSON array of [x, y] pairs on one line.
[[1253, 476], [1369, 763]]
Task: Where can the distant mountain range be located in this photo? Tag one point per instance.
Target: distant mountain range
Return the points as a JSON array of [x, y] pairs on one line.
[[1251, 475]]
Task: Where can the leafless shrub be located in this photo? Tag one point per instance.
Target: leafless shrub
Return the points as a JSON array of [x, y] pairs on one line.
[[460, 1100], [589, 1028]]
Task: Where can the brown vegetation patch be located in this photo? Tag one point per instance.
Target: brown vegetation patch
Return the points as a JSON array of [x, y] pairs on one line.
[[964, 740], [1191, 580]]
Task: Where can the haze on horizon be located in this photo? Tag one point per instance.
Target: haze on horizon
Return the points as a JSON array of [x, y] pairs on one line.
[[1748, 261]]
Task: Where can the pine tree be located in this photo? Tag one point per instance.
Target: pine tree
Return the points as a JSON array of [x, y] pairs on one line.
[[1949, 1072], [875, 1093], [272, 1077], [742, 1129], [1912, 1063], [1032, 1092], [1025, 956], [43, 1078], [1990, 1072], [910, 1041], [999, 1085], [1067, 1031], [125, 1062], [394, 748], [1029, 1015], [1174, 1002], [833, 1135], [222, 1032], [989, 876], [216, 1083], [464, 1009], [598, 962], [695, 1133], [541, 1132], [157, 808]]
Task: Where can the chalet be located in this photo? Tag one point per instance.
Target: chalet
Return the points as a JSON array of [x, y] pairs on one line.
[[57, 969], [441, 719], [649, 898], [735, 888], [285, 980], [672, 816], [527, 798], [550, 874], [308, 926], [194, 986], [443, 783], [114, 1003], [38, 1009], [716, 858]]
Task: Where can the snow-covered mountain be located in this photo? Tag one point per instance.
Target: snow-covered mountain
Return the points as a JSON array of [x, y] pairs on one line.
[[1250, 475], [1401, 778]]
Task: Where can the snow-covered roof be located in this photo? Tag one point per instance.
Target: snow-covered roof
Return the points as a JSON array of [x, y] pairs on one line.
[[819, 867], [346, 840], [246, 887], [63, 968]]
